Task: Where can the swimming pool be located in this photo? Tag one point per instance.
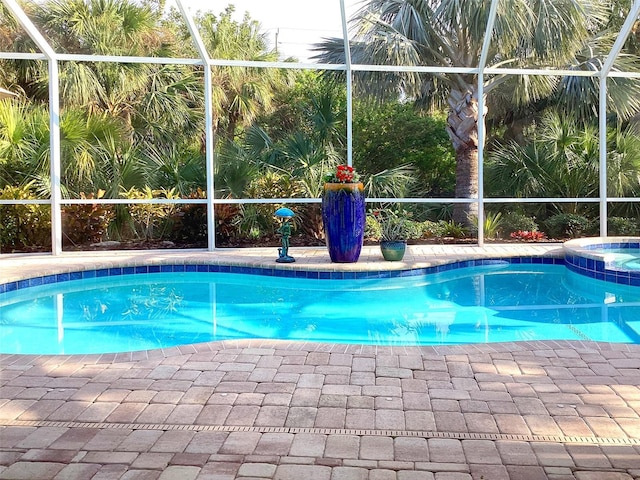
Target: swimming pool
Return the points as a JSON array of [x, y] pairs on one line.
[[495, 301]]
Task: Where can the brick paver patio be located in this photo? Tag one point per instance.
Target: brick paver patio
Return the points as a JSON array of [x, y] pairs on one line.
[[299, 411]]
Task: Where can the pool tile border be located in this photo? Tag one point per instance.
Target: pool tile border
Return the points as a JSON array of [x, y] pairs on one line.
[[273, 272], [580, 257]]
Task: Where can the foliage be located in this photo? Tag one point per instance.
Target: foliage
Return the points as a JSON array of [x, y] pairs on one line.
[[619, 11], [568, 225], [226, 217], [258, 219], [443, 228], [623, 169], [23, 226], [516, 221], [306, 152], [435, 211], [189, 221], [372, 228], [393, 225], [153, 102], [561, 160], [450, 33], [91, 146], [492, 224], [393, 182], [86, 223], [236, 166], [137, 127], [393, 134], [24, 137], [622, 226], [177, 167], [129, 126], [410, 229], [151, 221], [429, 229], [554, 164], [240, 94], [528, 236]]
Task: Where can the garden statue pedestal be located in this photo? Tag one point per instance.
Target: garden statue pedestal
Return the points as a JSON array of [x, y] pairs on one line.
[[284, 214]]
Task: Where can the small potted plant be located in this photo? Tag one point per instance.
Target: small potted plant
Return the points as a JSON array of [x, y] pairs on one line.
[[393, 228]]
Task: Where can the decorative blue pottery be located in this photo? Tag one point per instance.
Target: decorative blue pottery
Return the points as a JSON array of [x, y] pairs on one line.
[[343, 217], [393, 250]]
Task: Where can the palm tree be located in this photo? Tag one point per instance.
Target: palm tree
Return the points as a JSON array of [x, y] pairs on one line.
[[450, 33], [240, 94], [24, 148], [148, 98], [155, 108], [24, 136], [12, 38]]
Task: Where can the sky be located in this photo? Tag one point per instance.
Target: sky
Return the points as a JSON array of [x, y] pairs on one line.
[[296, 24]]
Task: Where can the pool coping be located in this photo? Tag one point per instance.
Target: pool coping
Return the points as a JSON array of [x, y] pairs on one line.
[[294, 346], [22, 270], [272, 272], [311, 261]]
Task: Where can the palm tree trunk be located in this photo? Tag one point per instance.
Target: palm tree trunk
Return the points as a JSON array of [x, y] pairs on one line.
[[463, 131], [466, 185]]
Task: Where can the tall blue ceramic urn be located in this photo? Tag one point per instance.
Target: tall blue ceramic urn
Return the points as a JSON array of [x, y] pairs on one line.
[[343, 217]]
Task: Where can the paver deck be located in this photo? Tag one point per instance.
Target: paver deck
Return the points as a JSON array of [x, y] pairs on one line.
[[293, 411]]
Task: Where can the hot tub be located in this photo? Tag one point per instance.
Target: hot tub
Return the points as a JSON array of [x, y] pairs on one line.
[[612, 259]]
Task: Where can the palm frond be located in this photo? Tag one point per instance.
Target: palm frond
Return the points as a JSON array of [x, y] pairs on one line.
[[394, 182]]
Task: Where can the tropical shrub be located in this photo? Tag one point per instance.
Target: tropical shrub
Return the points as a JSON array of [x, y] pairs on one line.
[[492, 224], [453, 229], [23, 226], [429, 229], [372, 228], [392, 134], [87, 223], [394, 225], [189, 221], [518, 222], [622, 226], [561, 159], [528, 236], [568, 225], [151, 221], [443, 228], [258, 220], [227, 216]]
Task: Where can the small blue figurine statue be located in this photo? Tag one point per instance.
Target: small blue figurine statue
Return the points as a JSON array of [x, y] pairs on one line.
[[285, 231]]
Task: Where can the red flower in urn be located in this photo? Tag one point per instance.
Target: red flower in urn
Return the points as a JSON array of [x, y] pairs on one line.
[[343, 174]]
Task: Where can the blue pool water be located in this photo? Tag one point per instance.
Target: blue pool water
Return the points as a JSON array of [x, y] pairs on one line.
[[624, 258], [497, 303]]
